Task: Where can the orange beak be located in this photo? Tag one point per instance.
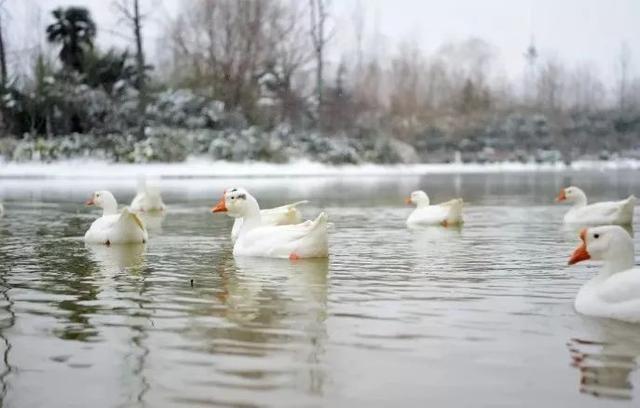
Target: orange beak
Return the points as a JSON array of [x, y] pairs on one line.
[[580, 254], [407, 200], [220, 206], [89, 202], [561, 196]]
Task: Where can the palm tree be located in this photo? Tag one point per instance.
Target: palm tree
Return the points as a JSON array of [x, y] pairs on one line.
[[75, 30]]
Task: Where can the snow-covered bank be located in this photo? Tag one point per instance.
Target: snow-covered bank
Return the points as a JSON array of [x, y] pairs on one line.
[[77, 169]]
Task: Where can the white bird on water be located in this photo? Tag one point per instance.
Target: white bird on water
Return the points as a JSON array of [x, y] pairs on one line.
[[112, 227], [615, 291]]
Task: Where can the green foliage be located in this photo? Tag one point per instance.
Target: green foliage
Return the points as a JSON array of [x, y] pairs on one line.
[[75, 30], [106, 70]]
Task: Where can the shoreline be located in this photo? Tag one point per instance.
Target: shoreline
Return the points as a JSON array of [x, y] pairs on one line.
[[202, 168]]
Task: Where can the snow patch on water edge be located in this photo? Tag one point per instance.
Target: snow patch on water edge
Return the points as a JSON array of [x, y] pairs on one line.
[[202, 168]]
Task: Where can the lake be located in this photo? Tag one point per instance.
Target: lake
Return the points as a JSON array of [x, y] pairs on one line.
[[480, 316]]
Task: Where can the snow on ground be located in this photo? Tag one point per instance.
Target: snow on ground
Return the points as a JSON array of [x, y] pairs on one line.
[[201, 168]]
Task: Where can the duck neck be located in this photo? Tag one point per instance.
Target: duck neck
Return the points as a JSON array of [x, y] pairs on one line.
[[251, 217], [109, 206], [617, 265], [580, 200], [423, 202], [622, 260]]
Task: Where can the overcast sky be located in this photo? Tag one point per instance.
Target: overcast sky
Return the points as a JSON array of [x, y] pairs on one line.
[[573, 31]]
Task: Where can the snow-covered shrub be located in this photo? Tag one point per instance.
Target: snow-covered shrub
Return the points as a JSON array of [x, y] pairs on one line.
[[116, 147], [7, 147], [331, 149], [183, 108], [220, 148], [388, 151], [162, 145]]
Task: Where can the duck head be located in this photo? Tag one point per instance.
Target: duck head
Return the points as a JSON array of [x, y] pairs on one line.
[[419, 198], [236, 203], [610, 243], [105, 200], [572, 195]]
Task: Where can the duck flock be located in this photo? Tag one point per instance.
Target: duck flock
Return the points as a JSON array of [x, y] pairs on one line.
[[281, 233]]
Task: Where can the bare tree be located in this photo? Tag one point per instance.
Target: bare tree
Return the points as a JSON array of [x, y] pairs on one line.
[[623, 64], [243, 52], [4, 75], [551, 86], [358, 18], [287, 52], [405, 81], [585, 90], [319, 14], [130, 11], [531, 57], [3, 59]]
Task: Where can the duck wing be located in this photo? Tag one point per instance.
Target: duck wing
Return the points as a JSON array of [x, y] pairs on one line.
[[100, 229], [621, 287], [286, 214], [129, 228], [306, 239], [607, 212], [431, 215], [454, 215]]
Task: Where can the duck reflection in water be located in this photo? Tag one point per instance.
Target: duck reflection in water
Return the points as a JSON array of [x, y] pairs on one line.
[[251, 287], [605, 366], [118, 258], [275, 304], [153, 221], [430, 242]]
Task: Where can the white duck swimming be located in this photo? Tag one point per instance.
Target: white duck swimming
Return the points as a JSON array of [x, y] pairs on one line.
[[305, 240], [604, 213], [113, 227], [147, 199], [445, 214], [284, 215], [615, 291]]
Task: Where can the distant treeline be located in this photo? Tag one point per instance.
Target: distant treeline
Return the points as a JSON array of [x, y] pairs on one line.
[[265, 63]]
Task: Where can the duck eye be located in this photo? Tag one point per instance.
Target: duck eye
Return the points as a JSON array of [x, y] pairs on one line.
[[596, 236], [233, 198]]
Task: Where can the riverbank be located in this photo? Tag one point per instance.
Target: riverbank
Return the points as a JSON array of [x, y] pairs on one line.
[[204, 168]]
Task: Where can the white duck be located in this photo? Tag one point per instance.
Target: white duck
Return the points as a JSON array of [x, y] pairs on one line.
[[284, 215], [604, 213], [305, 240], [147, 199], [113, 227], [1, 209], [445, 214], [615, 291]]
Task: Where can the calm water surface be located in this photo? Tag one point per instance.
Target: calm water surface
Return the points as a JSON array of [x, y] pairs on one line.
[[476, 317]]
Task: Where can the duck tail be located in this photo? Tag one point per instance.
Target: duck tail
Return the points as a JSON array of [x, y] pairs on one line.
[[297, 203], [293, 214], [455, 211], [152, 190], [127, 216], [141, 184], [320, 221], [627, 209], [631, 200], [453, 202]]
